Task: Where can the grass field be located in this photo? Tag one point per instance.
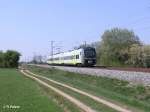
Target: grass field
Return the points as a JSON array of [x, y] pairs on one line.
[[135, 96], [28, 96]]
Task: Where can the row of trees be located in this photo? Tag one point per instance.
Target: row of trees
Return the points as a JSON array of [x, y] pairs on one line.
[[9, 59], [38, 59], [121, 47]]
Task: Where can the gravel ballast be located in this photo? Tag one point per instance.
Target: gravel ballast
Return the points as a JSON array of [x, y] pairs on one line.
[[136, 77]]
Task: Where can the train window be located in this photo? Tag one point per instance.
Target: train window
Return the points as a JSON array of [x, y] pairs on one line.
[[50, 59], [77, 56], [55, 58], [68, 57], [90, 53]]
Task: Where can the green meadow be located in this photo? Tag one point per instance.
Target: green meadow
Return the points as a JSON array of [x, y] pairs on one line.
[[20, 94]]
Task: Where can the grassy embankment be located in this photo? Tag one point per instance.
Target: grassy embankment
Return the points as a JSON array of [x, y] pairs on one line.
[[121, 92], [86, 100], [28, 96]]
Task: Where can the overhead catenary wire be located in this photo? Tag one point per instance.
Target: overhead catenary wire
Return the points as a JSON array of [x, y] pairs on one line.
[[138, 21]]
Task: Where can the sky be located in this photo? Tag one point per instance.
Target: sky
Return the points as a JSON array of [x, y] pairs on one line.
[[29, 26]]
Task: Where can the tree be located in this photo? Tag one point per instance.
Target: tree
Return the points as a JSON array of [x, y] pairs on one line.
[[1, 59], [12, 58], [115, 46], [9, 59], [37, 59], [139, 56]]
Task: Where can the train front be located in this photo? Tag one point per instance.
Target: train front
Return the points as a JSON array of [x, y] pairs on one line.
[[89, 56]]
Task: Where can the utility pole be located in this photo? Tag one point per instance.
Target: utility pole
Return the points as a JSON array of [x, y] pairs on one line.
[[58, 50], [85, 43], [55, 48], [52, 47]]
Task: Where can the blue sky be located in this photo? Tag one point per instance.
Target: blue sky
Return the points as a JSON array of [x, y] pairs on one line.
[[29, 25]]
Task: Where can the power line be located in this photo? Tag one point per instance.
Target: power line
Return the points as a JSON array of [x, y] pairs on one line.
[[144, 28], [138, 21]]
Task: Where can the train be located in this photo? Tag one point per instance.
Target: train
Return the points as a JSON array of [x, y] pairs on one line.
[[80, 57]]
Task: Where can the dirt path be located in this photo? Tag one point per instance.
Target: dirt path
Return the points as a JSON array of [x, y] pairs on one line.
[[100, 100], [81, 105]]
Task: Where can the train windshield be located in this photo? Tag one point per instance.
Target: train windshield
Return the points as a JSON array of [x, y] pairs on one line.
[[90, 53]]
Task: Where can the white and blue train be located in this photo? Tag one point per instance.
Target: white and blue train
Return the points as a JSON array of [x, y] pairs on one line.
[[80, 57]]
